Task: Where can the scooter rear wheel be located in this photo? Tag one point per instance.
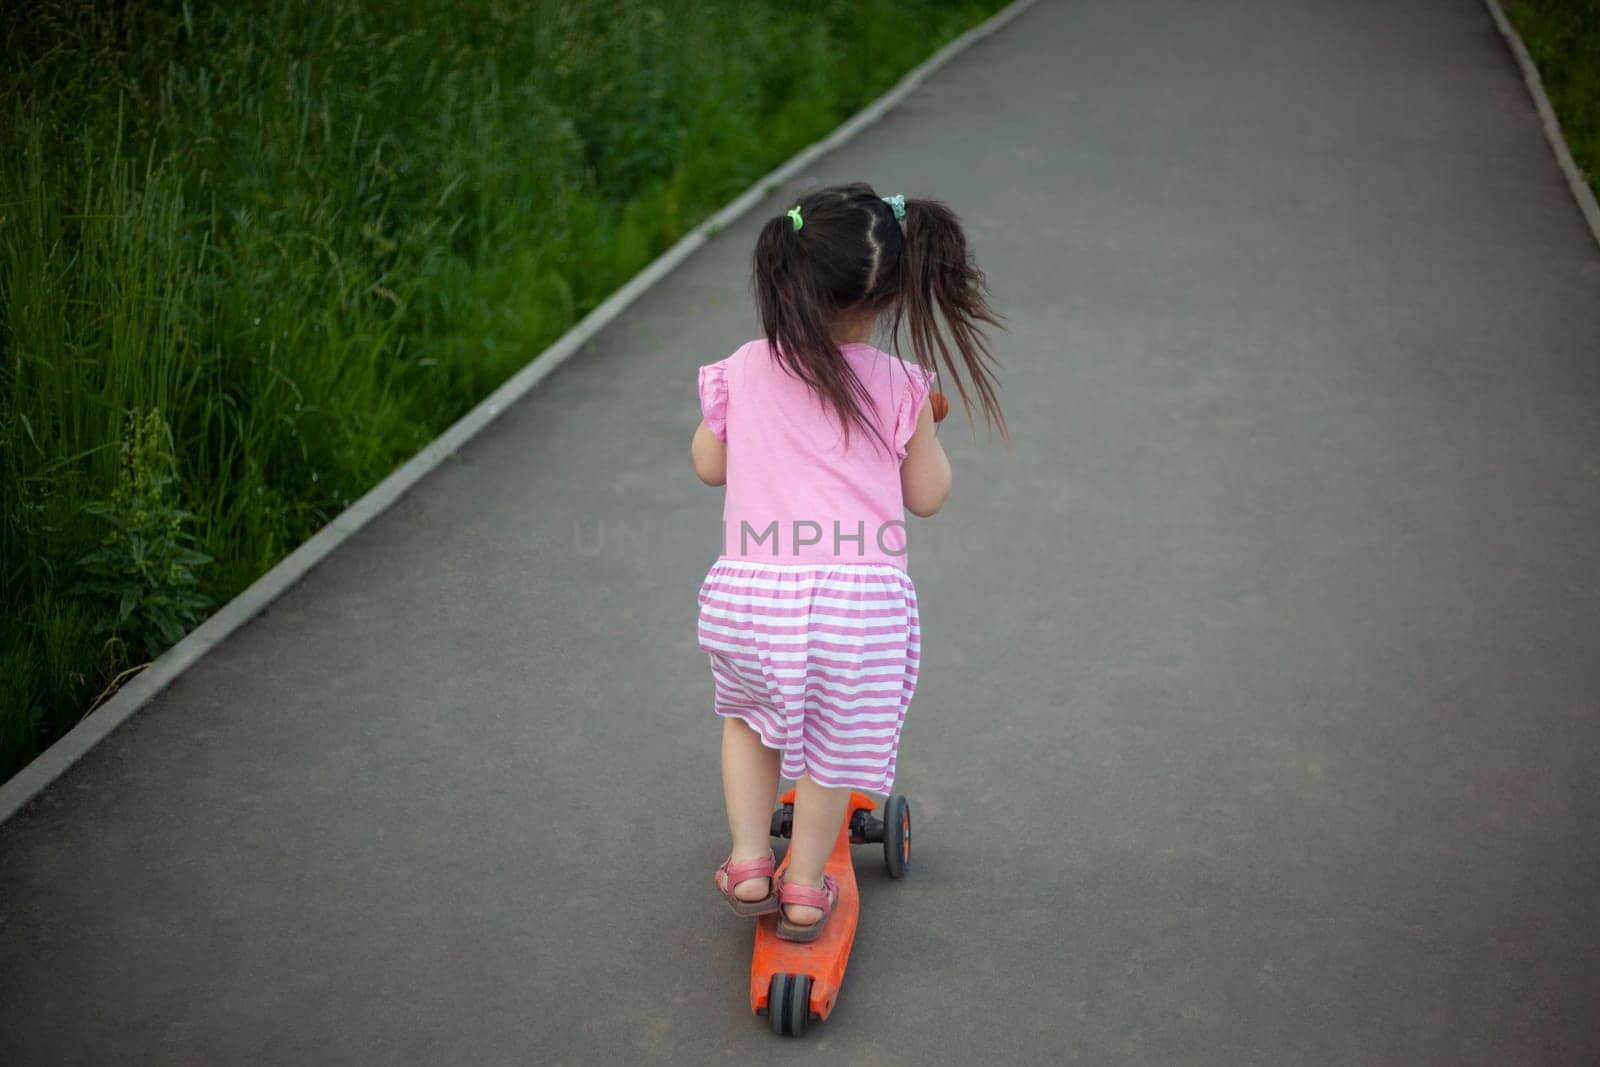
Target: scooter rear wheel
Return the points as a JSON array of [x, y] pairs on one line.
[[789, 1004]]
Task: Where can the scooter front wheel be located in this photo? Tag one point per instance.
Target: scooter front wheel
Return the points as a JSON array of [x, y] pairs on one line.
[[897, 836]]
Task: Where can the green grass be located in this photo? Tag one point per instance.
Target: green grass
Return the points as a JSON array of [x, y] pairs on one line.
[[307, 237], [1563, 37]]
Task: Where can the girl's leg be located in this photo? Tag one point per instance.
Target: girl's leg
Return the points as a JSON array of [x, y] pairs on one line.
[[818, 814], [749, 787]]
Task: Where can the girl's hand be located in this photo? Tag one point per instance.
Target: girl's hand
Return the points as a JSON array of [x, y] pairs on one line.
[[711, 456], [925, 474]]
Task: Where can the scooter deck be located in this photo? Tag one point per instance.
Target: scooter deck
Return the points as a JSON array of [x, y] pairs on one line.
[[825, 958]]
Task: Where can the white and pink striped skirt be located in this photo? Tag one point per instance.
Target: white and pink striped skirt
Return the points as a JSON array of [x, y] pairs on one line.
[[820, 660]]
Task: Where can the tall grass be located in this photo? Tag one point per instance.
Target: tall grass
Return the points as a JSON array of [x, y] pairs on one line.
[[307, 236], [1563, 37]]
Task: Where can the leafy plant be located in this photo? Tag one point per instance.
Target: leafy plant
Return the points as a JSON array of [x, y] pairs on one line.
[[145, 566]]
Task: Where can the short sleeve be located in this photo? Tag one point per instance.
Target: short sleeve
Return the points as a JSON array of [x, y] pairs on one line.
[[714, 398], [918, 382]]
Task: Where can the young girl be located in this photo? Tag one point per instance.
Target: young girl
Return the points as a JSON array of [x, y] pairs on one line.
[[824, 443]]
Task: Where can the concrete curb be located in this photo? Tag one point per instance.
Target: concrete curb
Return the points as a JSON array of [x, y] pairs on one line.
[[1547, 117], [50, 764]]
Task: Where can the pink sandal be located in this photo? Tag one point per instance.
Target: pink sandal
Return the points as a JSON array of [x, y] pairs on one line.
[[806, 897], [731, 874]]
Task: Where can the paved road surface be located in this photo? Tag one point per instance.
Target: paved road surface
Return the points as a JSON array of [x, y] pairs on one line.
[[1259, 721]]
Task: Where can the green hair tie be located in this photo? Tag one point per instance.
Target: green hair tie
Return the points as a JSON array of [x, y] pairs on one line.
[[794, 213]]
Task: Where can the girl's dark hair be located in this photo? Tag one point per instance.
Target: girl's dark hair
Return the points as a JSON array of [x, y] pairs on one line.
[[851, 255]]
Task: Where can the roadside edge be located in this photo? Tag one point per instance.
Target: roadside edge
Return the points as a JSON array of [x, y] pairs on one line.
[[1547, 118]]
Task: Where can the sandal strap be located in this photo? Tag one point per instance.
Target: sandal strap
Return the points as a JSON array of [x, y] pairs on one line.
[[734, 873], [810, 897]]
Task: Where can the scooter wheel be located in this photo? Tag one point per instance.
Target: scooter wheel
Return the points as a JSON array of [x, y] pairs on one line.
[[783, 821], [897, 836], [789, 1004]]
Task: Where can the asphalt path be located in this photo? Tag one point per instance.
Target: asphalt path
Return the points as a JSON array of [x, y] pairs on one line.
[[1258, 720]]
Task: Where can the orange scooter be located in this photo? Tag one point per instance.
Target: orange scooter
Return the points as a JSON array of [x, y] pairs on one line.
[[793, 983]]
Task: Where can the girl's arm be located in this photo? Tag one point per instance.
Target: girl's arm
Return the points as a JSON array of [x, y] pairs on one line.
[[711, 456], [925, 473]]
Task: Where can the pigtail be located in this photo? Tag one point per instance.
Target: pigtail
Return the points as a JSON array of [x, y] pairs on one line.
[[939, 279], [797, 316]]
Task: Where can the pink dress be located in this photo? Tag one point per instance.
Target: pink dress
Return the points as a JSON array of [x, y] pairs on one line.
[[809, 617]]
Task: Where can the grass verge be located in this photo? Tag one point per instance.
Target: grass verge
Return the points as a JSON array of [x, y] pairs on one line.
[[255, 255], [1563, 37]]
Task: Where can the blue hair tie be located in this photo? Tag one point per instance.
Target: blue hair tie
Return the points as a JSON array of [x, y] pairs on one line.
[[897, 202]]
